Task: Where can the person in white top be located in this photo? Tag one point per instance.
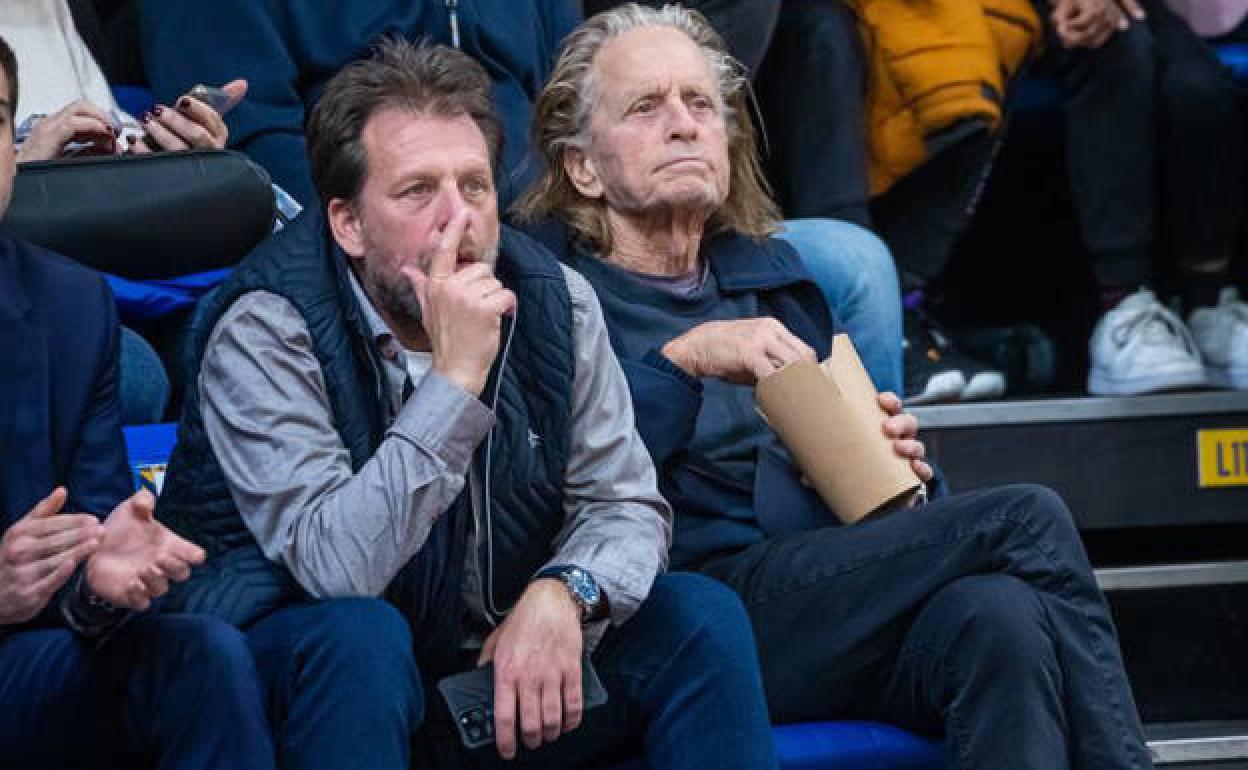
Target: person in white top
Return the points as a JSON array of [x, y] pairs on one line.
[[67, 106]]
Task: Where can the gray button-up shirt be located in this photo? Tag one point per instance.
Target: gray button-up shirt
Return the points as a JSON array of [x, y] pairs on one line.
[[268, 417]]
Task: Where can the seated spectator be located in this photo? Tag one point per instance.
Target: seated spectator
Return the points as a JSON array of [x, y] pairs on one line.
[[975, 615], [399, 397], [87, 677], [68, 109], [1155, 145]]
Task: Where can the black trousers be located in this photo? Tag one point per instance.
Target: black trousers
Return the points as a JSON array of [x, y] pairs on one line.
[[1155, 148], [1154, 133], [976, 616]]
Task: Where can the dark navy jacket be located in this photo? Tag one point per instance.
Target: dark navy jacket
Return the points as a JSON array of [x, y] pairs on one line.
[[667, 402], [60, 417], [289, 49]]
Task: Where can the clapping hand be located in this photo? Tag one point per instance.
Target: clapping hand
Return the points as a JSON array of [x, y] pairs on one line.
[[138, 557]]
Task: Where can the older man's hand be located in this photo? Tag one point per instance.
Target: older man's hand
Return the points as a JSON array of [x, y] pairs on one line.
[[903, 429], [537, 668], [743, 351]]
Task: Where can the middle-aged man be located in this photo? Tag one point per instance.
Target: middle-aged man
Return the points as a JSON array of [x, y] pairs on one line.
[[399, 397], [975, 615], [85, 681]]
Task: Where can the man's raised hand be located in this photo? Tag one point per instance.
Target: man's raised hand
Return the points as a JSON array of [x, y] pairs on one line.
[[461, 309], [138, 556]]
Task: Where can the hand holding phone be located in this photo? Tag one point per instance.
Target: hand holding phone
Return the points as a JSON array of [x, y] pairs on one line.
[[470, 698], [195, 123], [221, 99]]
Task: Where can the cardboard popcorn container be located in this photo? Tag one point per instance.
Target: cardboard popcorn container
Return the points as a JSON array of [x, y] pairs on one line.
[[828, 415]]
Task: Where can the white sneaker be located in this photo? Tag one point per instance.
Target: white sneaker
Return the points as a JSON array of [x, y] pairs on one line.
[[1221, 334], [1141, 347]]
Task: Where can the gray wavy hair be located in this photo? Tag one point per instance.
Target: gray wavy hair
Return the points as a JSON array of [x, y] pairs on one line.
[[561, 120]]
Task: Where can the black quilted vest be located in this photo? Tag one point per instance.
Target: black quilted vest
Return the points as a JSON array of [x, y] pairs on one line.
[[529, 442]]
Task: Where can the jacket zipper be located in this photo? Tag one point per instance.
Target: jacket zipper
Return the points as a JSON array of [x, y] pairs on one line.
[[452, 11]]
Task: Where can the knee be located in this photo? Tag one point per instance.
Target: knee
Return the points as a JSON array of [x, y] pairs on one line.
[[144, 384], [1128, 59], [364, 645], [203, 647], [702, 618], [360, 641], [1196, 96], [359, 625], [997, 628], [846, 260], [1044, 511]]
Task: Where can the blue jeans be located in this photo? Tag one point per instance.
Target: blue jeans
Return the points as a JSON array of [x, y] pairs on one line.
[[681, 675], [976, 616], [340, 684], [166, 691], [682, 684], [855, 271], [144, 390]]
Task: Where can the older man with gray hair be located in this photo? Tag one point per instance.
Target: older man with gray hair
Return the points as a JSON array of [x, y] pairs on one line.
[[975, 615]]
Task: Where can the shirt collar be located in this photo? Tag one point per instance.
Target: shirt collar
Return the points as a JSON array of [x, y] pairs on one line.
[[385, 340]]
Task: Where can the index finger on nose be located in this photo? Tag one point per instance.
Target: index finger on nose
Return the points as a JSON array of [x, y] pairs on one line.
[[443, 263]]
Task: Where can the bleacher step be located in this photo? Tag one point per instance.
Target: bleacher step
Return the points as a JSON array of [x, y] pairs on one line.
[[1198, 742], [1156, 576], [1080, 409], [1127, 462]]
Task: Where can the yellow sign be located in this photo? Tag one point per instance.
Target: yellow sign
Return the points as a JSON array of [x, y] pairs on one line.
[[1223, 457]]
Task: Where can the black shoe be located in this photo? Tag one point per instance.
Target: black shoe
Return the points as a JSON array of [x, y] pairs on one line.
[[1024, 352], [935, 371]]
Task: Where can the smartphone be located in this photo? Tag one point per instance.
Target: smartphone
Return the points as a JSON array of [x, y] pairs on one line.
[[470, 698], [216, 98]]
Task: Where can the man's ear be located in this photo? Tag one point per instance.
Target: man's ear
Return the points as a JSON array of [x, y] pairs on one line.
[[346, 227], [581, 170]]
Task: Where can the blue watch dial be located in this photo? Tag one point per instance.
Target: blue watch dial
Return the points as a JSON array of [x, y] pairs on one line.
[[581, 585]]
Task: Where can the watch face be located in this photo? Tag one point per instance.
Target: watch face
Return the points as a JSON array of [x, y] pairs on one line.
[[583, 586]]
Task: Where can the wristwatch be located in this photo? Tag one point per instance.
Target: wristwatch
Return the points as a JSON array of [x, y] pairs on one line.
[[581, 586]]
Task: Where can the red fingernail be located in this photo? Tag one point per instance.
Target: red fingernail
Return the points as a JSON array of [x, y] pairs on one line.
[[184, 103], [158, 110]]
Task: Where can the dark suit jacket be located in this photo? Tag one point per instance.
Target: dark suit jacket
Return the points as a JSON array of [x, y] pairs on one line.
[[60, 418]]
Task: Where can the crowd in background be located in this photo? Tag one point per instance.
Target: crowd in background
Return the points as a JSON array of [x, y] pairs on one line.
[[873, 115]]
